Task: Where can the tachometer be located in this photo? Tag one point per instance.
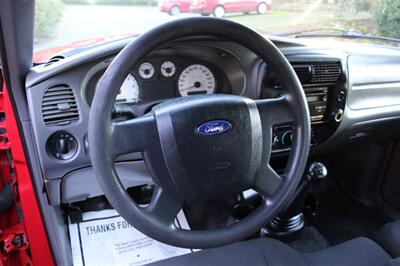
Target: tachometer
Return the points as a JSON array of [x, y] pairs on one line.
[[129, 91], [196, 79]]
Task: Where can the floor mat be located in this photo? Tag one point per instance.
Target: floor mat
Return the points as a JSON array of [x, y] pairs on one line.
[[340, 217], [309, 240]]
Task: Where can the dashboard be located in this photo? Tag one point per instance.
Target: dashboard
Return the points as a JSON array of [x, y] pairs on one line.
[[352, 92]]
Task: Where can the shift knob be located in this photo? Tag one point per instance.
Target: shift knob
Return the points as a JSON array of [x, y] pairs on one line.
[[317, 170]]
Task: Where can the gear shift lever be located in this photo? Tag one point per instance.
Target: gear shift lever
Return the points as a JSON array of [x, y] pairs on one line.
[[317, 171], [291, 219]]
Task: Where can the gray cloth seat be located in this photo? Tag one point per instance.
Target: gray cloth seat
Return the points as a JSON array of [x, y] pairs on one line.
[[269, 252], [389, 238], [393, 262]]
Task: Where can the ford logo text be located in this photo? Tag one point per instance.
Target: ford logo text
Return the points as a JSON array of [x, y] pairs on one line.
[[214, 127]]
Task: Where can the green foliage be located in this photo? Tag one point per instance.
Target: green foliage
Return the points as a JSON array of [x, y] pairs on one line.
[[387, 16], [47, 14], [127, 2], [346, 7]]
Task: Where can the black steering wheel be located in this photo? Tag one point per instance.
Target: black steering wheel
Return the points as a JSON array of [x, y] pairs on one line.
[[199, 148]]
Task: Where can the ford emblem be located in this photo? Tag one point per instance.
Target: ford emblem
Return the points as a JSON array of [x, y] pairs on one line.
[[214, 127]]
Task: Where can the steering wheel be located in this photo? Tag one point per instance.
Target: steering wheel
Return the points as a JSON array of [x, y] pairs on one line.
[[199, 148]]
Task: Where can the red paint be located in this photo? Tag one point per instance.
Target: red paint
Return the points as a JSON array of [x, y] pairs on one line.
[[31, 225], [167, 5], [15, 254], [9, 218], [208, 6], [43, 55]]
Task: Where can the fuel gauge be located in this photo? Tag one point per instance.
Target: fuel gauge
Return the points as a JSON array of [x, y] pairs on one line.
[[146, 70], [168, 69]]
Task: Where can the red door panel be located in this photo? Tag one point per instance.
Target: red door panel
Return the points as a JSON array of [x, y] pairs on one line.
[[32, 247]]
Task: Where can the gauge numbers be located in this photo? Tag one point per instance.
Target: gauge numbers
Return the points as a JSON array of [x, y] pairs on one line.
[[129, 91], [146, 70], [196, 79]]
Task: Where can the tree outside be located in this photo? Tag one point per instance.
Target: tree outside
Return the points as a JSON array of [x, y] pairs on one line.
[[370, 17], [387, 15]]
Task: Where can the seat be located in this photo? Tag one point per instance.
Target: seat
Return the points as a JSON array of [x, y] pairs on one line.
[[269, 252], [389, 238]]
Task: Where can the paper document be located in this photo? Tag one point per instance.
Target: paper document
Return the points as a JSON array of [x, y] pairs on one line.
[[105, 238]]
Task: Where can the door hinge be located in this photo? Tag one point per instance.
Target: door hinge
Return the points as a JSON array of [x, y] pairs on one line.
[[13, 241]]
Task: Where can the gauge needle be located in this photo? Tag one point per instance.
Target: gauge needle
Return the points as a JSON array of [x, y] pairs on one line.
[[196, 85]]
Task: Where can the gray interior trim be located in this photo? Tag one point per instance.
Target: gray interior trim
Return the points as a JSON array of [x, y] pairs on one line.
[[365, 96], [82, 184], [40, 73]]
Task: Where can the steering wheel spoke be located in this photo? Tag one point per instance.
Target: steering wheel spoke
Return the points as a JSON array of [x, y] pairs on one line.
[[275, 111], [267, 182], [132, 135], [164, 206]]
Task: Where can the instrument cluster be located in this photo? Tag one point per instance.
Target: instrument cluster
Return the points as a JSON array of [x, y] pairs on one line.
[[161, 78]]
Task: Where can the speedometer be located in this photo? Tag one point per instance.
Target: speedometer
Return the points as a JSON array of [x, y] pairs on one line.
[[196, 79]]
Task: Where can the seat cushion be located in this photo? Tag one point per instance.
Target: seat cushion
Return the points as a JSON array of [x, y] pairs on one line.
[[270, 252], [389, 238], [356, 252], [393, 262], [257, 252]]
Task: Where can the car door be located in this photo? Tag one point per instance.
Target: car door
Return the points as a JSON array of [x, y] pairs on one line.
[[230, 5], [245, 5], [242, 5]]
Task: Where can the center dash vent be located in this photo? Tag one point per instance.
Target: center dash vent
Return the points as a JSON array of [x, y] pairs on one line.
[[303, 72], [326, 72], [59, 106]]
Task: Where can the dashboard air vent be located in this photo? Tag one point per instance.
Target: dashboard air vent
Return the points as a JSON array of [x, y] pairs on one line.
[[59, 106], [54, 59], [325, 72], [303, 72]]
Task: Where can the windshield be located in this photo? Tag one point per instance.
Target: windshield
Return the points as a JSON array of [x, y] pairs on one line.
[[68, 24]]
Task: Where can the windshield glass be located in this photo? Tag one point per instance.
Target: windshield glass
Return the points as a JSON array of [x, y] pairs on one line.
[[68, 24]]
